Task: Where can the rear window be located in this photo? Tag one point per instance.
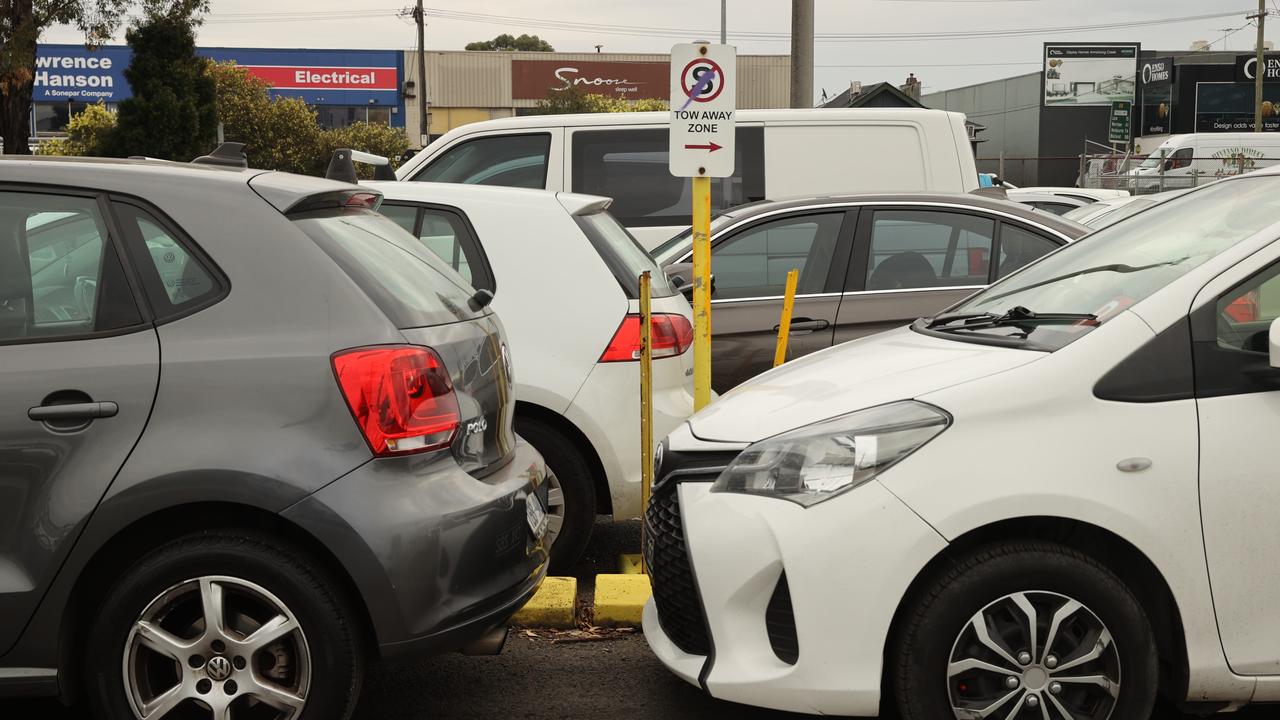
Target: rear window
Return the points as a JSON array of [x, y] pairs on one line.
[[408, 282], [624, 256]]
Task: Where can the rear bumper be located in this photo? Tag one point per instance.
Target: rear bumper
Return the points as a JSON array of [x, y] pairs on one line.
[[438, 557]]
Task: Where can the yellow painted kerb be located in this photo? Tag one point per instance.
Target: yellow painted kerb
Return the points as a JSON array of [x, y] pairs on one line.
[[620, 599], [553, 606]]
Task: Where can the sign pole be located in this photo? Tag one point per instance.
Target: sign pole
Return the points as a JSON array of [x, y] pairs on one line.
[[646, 406], [701, 292]]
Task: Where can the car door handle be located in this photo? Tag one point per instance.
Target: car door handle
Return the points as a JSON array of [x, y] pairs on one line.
[[73, 411], [805, 325]]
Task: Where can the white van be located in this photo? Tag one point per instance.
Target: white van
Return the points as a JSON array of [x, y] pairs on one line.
[[1196, 158], [780, 153]]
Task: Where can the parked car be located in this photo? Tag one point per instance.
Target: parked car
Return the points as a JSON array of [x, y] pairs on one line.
[[1190, 159], [624, 156], [1047, 501], [252, 435], [1107, 212], [1074, 193], [564, 277], [867, 263], [1048, 202]]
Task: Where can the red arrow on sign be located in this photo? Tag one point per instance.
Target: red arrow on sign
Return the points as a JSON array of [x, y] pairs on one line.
[[709, 147]]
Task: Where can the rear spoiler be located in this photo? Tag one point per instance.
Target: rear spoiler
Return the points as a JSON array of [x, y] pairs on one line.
[[342, 166]]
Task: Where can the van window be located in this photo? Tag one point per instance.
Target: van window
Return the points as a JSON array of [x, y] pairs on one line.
[[508, 160], [630, 166], [928, 248], [1181, 158]]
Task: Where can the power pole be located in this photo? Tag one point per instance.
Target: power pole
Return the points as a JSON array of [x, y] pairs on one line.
[[801, 53], [425, 117], [1259, 69], [724, 15]]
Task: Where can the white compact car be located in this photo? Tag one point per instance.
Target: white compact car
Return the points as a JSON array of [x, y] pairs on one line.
[[564, 276], [1046, 502]]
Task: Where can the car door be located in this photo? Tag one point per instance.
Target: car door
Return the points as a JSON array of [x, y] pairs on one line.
[[78, 373], [749, 265], [1238, 401], [911, 261]]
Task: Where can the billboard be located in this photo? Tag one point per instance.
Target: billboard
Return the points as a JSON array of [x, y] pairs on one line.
[[1229, 107], [1087, 74], [72, 73], [1157, 96], [540, 79]]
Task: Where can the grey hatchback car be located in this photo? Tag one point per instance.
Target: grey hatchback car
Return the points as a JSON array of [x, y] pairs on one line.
[[252, 436]]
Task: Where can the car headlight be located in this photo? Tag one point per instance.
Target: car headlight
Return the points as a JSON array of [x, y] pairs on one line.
[[817, 462]]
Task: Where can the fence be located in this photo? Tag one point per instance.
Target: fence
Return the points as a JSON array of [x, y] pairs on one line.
[[1137, 174]]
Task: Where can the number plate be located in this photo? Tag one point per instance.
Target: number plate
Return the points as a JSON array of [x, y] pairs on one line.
[[536, 514]]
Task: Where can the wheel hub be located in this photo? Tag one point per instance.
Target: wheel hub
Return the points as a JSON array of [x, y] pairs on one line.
[[219, 668]]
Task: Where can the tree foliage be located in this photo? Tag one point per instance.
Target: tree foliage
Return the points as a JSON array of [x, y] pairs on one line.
[[505, 41], [577, 100], [87, 133], [172, 113]]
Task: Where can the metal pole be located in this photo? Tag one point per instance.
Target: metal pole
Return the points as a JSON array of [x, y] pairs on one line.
[[425, 119], [784, 325], [1259, 69], [646, 406], [801, 53], [724, 20], [701, 292]]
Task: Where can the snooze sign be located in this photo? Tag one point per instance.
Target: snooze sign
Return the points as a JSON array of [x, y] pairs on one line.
[[539, 79]]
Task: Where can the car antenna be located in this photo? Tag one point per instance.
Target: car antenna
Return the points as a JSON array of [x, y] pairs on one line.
[[342, 166], [228, 154]]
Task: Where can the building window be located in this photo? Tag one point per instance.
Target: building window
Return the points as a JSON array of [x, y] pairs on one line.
[[340, 116], [52, 117]]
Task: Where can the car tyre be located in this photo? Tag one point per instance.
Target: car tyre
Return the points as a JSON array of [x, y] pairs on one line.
[[572, 496], [260, 584], [943, 667]]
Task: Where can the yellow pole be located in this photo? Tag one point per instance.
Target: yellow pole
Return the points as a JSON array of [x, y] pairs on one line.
[[646, 406], [701, 292], [784, 325]]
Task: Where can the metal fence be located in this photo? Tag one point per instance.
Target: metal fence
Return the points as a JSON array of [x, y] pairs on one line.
[[1138, 174]]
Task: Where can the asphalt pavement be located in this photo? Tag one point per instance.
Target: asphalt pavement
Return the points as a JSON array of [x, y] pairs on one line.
[[547, 677]]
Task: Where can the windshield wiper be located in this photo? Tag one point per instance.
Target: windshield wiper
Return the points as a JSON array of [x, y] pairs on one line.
[[1017, 316], [1115, 267]]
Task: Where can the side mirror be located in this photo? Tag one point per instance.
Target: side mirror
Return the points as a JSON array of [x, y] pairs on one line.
[[682, 286], [681, 276], [1273, 343]]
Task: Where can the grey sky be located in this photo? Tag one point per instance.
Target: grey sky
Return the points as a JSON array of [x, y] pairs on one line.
[[941, 63]]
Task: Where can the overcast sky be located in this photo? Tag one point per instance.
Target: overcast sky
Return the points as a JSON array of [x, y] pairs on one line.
[[959, 58]]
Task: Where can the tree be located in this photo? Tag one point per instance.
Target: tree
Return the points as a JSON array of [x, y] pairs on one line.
[[376, 138], [279, 133], [173, 112], [88, 133], [527, 43], [577, 100], [21, 23]]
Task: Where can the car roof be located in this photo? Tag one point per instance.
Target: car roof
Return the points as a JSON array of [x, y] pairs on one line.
[[983, 202], [741, 116]]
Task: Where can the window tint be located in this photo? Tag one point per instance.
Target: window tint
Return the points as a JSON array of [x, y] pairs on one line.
[[928, 248], [446, 234], [755, 261], [1019, 248], [406, 216], [509, 160], [624, 255], [174, 279], [59, 274], [631, 166]]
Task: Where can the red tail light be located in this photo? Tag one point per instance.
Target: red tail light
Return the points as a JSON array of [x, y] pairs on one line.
[[671, 335], [401, 397]]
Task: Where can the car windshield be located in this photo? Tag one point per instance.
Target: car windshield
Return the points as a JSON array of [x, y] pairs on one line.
[[1101, 275], [671, 250]]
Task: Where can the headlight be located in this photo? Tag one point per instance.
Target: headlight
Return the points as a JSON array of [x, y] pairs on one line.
[[819, 461]]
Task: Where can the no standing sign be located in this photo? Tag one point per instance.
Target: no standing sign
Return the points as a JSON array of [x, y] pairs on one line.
[[704, 92]]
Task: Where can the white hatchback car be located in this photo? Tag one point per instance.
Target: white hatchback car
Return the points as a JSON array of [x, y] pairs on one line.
[[564, 275], [1043, 503]]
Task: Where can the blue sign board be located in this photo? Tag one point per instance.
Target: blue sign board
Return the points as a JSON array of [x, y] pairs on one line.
[[70, 72]]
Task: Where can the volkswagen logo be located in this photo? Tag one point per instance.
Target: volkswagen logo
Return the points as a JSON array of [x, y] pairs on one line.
[[219, 668]]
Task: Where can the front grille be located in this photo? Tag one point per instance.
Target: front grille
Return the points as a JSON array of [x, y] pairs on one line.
[[780, 622], [674, 592]]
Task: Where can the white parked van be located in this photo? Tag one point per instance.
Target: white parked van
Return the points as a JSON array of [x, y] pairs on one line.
[[1191, 159], [780, 153]]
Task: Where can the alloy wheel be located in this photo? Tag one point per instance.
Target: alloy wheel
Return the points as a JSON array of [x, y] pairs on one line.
[[217, 647], [1034, 656], [555, 509]]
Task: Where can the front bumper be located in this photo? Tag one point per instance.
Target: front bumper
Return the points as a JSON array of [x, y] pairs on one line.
[[847, 564], [439, 557]]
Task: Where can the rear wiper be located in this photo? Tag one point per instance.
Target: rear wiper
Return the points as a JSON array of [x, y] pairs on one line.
[[1017, 316]]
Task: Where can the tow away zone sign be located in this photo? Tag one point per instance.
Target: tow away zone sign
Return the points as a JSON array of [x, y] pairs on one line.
[[704, 92]]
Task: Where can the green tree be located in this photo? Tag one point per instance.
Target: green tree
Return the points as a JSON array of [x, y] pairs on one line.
[[577, 100], [389, 142], [528, 43], [173, 112], [279, 133], [88, 133], [21, 24]]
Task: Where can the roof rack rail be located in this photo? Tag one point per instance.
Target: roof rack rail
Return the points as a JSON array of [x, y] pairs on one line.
[[228, 154], [342, 166]]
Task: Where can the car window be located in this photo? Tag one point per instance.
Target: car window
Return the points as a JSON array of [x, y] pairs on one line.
[[59, 273], [624, 256], [928, 248], [631, 166], [1245, 314], [406, 216], [1181, 158], [448, 235], [1053, 207], [1019, 248], [508, 160], [755, 261], [174, 279]]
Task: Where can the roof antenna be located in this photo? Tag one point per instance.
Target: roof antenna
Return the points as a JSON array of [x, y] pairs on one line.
[[228, 154], [343, 169]]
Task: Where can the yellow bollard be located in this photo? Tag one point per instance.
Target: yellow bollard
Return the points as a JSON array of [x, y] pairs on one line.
[[784, 325], [701, 292], [646, 403]]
